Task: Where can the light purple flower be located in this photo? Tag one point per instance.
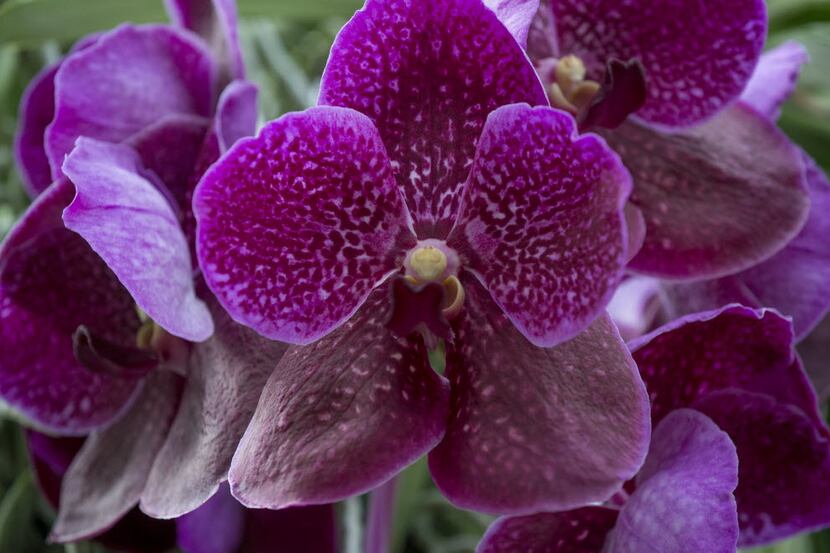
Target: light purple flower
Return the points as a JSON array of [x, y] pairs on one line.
[[424, 195], [737, 367], [711, 206]]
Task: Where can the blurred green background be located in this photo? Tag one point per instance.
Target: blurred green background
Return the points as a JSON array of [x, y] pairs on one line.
[[286, 43]]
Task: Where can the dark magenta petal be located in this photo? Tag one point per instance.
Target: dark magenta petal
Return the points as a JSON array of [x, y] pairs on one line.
[[131, 78], [795, 281], [225, 378], [516, 15], [37, 108], [683, 502], [107, 476], [133, 227], [418, 306], [50, 283], [341, 416], [784, 464], [525, 433], [622, 93], [580, 531], [542, 221], [298, 225], [698, 54], [100, 355], [735, 347], [216, 22], [814, 350], [445, 65], [775, 78], [712, 205], [292, 530], [236, 114], [218, 526]]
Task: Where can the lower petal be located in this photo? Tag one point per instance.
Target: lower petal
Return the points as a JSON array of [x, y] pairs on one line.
[[218, 526], [526, 430], [341, 416]]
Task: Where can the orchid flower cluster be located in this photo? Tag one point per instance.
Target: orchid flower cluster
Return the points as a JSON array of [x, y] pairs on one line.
[[216, 333]]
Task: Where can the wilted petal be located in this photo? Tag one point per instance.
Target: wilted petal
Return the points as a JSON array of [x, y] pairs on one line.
[[225, 379], [216, 22], [735, 347], [236, 113], [428, 74], [775, 78], [298, 225], [526, 433], [795, 281], [50, 283], [712, 205], [580, 531], [542, 222], [784, 464], [133, 227], [683, 502], [516, 15], [131, 78], [106, 478], [698, 54], [341, 416]]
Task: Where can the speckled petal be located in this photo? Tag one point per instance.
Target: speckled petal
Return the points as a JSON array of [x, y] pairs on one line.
[[784, 469], [298, 225], [541, 37], [216, 22], [106, 478], [683, 502], [525, 432], [516, 15], [51, 282], [341, 416], [698, 54], [129, 79], [225, 379], [775, 78], [712, 205], [542, 222], [133, 227], [734, 347], [795, 281], [580, 531], [428, 74], [236, 114]]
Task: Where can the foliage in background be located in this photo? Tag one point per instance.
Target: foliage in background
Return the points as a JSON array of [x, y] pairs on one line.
[[286, 43]]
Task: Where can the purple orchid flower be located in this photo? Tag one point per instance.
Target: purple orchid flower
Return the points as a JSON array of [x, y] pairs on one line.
[[137, 112], [221, 525], [424, 197], [736, 368], [706, 203], [796, 280]]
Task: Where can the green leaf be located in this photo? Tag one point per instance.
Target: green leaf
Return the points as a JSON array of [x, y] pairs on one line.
[[31, 22], [16, 514], [789, 14], [411, 484], [801, 544]]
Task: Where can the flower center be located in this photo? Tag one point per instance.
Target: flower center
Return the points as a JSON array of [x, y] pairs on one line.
[[427, 263], [570, 91], [432, 261]]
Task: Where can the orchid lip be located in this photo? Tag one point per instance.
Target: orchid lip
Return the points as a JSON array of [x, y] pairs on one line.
[[100, 355]]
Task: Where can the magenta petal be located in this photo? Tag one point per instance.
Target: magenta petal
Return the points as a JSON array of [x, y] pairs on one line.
[[236, 114], [580, 531], [293, 530], [218, 526], [775, 78], [107, 476], [683, 502], [129, 79], [341, 416], [443, 66], [516, 15], [131, 225], [712, 205], [50, 283], [298, 225], [37, 108], [814, 350], [735, 347], [784, 465], [795, 281], [698, 54], [216, 22], [226, 376], [542, 222], [525, 433]]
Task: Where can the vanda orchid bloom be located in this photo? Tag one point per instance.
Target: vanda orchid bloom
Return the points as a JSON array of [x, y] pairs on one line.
[[139, 112], [737, 367], [422, 202], [221, 525], [704, 204]]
